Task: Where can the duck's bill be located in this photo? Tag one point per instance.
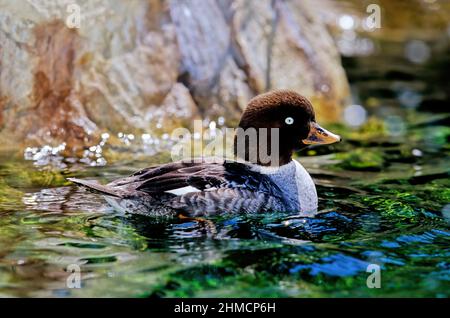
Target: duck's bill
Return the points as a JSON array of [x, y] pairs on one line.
[[320, 136]]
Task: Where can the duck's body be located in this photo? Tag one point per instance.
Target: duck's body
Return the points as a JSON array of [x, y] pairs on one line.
[[203, 187], [207, 187]]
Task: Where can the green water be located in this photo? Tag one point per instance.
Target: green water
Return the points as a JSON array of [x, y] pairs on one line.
[[384, 199]]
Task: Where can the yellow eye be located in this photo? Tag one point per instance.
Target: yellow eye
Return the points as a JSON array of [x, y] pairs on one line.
[[289, 120]]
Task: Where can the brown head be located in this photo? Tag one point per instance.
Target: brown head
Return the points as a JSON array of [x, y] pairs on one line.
[[280, 119]]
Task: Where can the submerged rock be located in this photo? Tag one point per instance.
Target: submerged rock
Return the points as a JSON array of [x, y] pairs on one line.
[[135, 66]]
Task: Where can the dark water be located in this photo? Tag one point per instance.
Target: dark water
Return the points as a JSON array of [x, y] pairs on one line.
[[384, 200]]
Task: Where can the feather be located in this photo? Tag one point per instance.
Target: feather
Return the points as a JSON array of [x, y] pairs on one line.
[[93, 185]]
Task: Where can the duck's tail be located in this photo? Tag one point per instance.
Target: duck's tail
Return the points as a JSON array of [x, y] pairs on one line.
[[95, 186]]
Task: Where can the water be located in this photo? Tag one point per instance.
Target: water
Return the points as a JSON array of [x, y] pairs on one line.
[[384, 199]]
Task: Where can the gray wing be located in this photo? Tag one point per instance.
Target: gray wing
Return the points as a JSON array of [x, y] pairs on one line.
[[197, 174]]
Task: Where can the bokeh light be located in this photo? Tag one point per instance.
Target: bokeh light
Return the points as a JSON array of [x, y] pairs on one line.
[[346, 22], [355, 115], [409, 98], [417, 152], [417, 51], [395, 126]]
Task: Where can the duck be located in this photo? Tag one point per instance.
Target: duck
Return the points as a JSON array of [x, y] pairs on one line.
[[282, 120]]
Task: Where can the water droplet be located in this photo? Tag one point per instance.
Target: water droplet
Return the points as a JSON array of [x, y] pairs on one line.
[[146, 138], [101, 161], [346, 22], [417, 152]]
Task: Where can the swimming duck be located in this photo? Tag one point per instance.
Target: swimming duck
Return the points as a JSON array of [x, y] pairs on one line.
[[249, 184]]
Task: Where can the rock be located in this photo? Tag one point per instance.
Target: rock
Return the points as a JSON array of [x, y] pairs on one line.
[[138, 66], [208, 65], [177, 108], [286, 46]]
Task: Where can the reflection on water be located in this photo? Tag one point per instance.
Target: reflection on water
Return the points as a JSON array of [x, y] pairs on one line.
[[384, 199]]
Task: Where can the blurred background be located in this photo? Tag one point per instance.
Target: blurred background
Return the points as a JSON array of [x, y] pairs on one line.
[[94, 89]]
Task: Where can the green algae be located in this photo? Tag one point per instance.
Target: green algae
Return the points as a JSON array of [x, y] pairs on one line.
[[392, 207], [22, 175], [361, 159], [10, 196]]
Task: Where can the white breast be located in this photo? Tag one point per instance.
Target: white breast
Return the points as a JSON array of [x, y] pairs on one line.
[[296, 184], [306, 189]]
